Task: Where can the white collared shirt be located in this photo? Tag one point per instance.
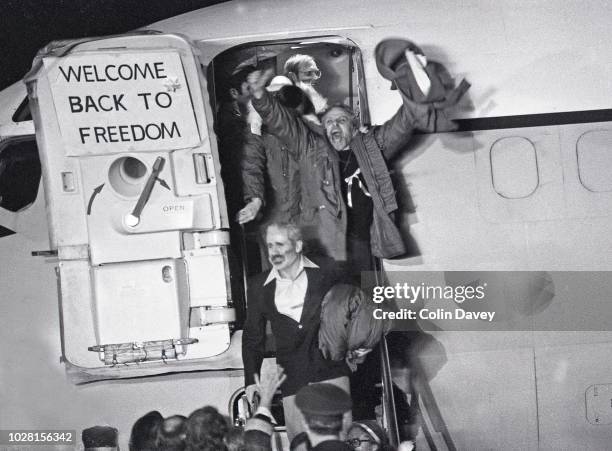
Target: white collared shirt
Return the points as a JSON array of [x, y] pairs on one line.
[[290, 294]]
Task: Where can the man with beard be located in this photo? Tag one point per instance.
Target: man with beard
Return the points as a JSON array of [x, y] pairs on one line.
[[290, 297]]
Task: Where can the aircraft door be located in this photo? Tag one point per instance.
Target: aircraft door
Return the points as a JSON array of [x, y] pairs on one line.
[[135, 211]]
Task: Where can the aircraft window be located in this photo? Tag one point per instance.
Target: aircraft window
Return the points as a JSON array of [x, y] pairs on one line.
[[595, 160], [19, 173], [514, 167], [22, 113]]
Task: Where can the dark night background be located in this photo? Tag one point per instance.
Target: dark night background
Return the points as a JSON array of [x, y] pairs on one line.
[[27, 25]]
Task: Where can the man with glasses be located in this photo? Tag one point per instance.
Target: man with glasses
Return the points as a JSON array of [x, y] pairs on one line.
[[302, 68], [367, 435], [303, 71]]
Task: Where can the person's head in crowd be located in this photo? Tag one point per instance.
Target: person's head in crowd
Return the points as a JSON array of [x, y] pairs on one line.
[[171, 433], [340, 125], [235, 88], [285, 244], [323, 407], [144, 431], [99, 438], [367, 435], [206, 429], [302, 69], [234, 439], [304, 73]]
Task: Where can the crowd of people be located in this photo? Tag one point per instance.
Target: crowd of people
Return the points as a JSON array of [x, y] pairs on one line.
[[324, 409], [205, 429]]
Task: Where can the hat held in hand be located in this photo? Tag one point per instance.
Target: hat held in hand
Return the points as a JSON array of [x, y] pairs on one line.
[[419, 80]]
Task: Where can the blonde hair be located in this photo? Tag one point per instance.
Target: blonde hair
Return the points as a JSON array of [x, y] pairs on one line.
[[295, 61]]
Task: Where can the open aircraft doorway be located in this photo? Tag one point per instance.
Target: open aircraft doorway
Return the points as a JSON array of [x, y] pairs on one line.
[[339, 79]]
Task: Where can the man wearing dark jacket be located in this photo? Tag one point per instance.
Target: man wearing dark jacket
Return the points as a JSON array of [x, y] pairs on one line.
[[290, 297], [270, 174], [352, 194]]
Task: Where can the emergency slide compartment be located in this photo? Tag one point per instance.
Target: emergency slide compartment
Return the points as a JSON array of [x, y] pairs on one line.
[[136, 211]]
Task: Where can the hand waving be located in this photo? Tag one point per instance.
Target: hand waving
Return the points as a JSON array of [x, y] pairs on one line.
[[258, 80], [269, 385]]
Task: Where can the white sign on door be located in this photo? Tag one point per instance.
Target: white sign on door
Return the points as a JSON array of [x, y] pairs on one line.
[[122, 102]]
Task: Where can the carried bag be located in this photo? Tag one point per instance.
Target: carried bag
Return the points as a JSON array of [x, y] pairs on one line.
[[348, 324]]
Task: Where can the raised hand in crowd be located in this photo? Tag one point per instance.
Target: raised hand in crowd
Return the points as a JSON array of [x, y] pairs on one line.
[[268, 386], [258, 80]]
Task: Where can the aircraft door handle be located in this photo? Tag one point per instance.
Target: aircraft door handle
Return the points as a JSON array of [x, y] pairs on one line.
[[134, 218], [47, 253], [201, 162]]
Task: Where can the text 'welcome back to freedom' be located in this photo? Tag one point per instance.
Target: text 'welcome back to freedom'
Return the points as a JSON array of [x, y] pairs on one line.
[[123, 101]]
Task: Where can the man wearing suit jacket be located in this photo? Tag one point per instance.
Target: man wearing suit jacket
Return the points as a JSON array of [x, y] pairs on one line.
[[289, 296]]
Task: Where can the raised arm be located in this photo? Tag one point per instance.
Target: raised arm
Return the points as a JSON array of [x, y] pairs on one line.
[[279, 120], [394, 134], [259, 428]]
